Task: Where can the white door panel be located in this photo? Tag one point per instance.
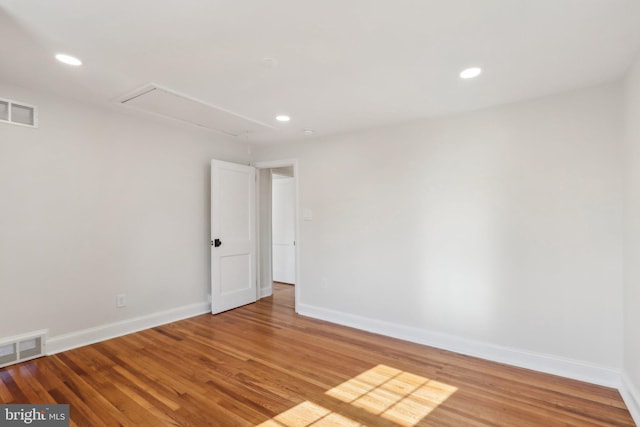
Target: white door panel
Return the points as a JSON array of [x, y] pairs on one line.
[[283, 230], [233, 277], [284, 260]]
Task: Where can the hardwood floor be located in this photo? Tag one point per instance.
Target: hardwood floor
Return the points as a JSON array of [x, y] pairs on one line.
[[264, 365], [283, 295]]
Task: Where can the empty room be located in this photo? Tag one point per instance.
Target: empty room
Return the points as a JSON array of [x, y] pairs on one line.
[[320, 213]]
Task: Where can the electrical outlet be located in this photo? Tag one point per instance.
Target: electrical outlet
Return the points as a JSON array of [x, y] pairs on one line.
[[121, 300]]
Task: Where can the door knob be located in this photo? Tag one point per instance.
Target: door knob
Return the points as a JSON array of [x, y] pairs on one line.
[[217, 243]]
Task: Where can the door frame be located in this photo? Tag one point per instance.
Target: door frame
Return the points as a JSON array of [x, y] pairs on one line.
[[261, 253]]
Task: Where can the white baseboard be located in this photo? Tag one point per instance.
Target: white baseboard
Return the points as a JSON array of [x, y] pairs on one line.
[[96, 334], [631, 397], [569, 368], [266, 291], [555, 365]]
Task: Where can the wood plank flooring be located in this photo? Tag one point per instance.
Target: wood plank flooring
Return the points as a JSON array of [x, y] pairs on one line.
[[263, 365]]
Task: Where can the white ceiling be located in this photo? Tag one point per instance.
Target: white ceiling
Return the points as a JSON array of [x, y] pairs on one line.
[[341, 64]]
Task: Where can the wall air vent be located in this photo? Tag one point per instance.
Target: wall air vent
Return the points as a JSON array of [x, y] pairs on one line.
[[167, 103], [22, 347], [17, 113]]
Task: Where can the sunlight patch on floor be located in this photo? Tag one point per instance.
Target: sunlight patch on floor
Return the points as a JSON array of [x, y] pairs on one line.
[[309, 414], [398, 396]]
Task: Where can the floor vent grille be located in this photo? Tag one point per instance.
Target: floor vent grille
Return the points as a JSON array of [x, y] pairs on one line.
[[22, 347]]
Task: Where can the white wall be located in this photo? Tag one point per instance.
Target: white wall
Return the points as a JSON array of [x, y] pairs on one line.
[[95, 203], [501, 226], [632, 235]]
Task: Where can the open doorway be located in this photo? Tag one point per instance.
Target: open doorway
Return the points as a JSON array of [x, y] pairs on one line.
[[283, 226], [283, 236], [278, 243]]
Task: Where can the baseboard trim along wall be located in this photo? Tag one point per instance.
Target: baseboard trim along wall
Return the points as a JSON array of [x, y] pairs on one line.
[[546, 363], [555, 365], [266, 291], [631, 397], [59, 343]]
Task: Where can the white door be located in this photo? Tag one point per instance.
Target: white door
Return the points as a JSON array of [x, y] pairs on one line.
[[233, 274], [283, 229]]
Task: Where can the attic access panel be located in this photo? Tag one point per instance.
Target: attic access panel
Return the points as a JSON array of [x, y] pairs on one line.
[[164, 102]]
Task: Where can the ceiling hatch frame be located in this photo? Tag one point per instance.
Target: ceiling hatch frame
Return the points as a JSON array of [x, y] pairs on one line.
[[161, 101]]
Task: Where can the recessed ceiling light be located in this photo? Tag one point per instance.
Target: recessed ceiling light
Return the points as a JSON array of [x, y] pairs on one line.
[[470, 73], [283, 118], [68, 59], [308, 132]]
